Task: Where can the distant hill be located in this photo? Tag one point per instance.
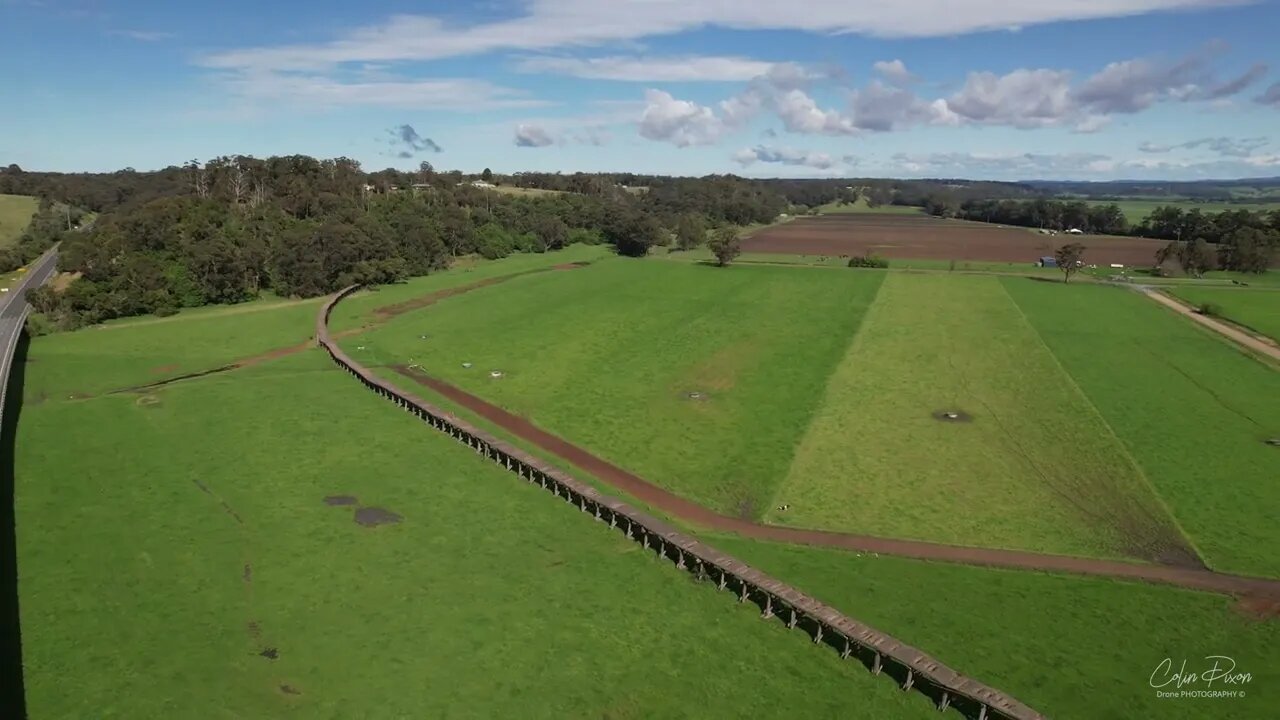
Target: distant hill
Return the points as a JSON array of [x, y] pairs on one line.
[[1252, 190]]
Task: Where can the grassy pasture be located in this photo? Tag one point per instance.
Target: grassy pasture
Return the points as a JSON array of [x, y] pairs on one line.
[[15, 215], [186, 535], [356, 311], [861, 206], [135, 352], [1072, 647], [607, 356], [1190, 408], [1258, 310], [875, 460]]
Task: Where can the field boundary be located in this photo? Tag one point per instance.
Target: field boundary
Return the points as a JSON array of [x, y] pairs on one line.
[[909, 666]]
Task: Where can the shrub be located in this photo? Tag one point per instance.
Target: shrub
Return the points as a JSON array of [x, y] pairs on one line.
[[1208, 308], [38, 324], [585, 236], [868, 261]]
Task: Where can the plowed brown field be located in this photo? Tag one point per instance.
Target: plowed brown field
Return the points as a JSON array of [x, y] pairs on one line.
[[924, 237]]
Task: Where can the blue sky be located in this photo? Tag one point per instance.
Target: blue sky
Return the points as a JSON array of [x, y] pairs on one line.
[[1079, 89]]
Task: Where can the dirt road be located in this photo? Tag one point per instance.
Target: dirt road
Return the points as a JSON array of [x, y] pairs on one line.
[[688, 511], [1258, 345]]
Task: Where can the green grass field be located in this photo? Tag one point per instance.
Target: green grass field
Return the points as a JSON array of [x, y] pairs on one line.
[[861, 206], [1072, 647], [607, 356], [184, 534], [1092, 633], [1258, 310], [875, 458], [354, 311], [1190, 408], [135, 352], [15, 215], [490, 599]]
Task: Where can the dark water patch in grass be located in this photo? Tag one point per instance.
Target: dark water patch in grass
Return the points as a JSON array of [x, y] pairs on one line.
[[270, 653], [374, 516], [340, 500]]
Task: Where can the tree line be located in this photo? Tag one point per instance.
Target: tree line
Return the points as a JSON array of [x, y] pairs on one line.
[[1232, 239], [235, 227]]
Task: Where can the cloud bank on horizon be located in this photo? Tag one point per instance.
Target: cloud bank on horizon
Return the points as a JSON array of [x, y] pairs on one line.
[[1082, 89]]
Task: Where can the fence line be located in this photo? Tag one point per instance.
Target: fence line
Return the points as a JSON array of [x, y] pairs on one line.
[[881, 653]]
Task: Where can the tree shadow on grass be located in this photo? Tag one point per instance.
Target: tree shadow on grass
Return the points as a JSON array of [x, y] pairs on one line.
[[12, 689]]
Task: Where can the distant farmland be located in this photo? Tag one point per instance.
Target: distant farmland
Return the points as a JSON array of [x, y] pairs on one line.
[[924, 237], [1135, 211]]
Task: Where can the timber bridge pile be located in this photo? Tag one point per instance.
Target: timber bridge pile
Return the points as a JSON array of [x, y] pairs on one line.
[[879, 652]]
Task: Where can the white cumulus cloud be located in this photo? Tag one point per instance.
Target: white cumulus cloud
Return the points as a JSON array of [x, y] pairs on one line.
[[680, 122]]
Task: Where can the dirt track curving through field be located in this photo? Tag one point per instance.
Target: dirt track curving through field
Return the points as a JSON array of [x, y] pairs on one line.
[[688, 511], [1255, 344]]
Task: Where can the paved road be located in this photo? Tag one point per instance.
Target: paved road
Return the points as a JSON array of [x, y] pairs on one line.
[[13, 312]]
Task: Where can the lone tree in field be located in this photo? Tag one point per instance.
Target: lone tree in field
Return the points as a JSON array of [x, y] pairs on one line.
[[725, 245], [1069, 259]]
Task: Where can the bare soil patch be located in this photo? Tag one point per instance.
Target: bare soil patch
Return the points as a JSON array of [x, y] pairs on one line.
[[374, 516], [340, 500], [1258, 607], [927, 238]]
